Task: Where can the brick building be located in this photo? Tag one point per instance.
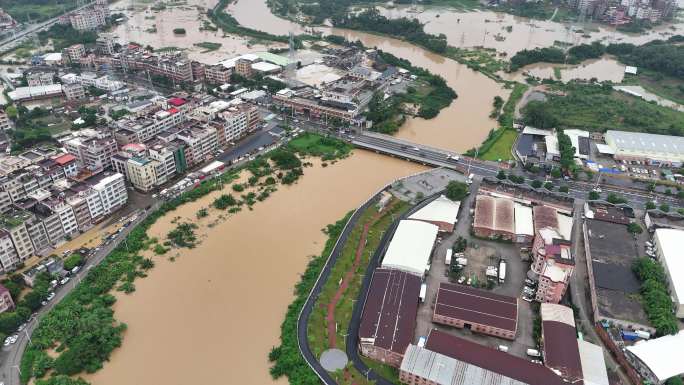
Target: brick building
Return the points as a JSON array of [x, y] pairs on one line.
[[494, 218]]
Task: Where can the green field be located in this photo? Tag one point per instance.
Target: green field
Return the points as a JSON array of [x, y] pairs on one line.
[[500, 150], [666, 87], [37, 10]]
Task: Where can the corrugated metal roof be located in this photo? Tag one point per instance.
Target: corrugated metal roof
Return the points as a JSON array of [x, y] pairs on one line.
[[523, 220], [663, 145], [670, 244], [477, 306], [662, 355], [411, 247], [593, 364], [441, 209]]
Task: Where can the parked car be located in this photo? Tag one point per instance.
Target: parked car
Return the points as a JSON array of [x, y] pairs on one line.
[[530, 282], [51, 296], [75, 269], [526, 299], [64, 281]]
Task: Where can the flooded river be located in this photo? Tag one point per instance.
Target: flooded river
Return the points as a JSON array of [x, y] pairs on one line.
[[212, 316], [491, 29], [602, 69]]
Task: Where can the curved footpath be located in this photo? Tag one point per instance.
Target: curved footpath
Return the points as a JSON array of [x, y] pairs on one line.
[[305, 313]]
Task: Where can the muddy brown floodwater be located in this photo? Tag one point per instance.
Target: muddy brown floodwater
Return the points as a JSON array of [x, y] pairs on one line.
[[212, 316]]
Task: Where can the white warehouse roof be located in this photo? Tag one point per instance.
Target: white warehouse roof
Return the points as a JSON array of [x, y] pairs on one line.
[[441, 209], [659, 147], [265, 67], [524, 225], [593, 364], [411, 247], [670, 243], [662, 355]]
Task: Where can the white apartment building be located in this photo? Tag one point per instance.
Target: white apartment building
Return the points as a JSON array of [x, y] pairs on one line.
[[36, 79], [142, 173], [166, 167], [21, 240], [93, 153], [88, 19], [106, 196], [146, 129], [201, 142]]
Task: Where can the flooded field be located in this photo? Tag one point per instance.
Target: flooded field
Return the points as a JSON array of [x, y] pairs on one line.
[[155, 28], [602, 69], [510, 34], [212, 316]]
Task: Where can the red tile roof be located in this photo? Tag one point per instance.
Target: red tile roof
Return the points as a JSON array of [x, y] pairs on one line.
[[64, 159], [177, 102]]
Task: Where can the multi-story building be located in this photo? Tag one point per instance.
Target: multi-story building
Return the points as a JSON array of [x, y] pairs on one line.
[[75, 52], [243, 67], [79, 205], [553, 264], [89, 19], [73, 91], [106, 194], [35, 79], [142, 130], [93, 151], [142, 173], [14, 223], [201, 143], [8, 255], [105, 44], [5, 122], [217, 74], [6, 302], [164, 156]]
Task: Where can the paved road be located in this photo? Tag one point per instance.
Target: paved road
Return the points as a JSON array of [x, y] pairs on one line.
[[11, 355]]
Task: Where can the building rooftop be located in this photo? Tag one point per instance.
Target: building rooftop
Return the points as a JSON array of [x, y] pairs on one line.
[[662, 355], [593, 364], [411, 247], [670, 244], [524, 225], [643, 143], [443, 370], [560, 341], [477, 306], [441, 209], [495, 361], [607, 243], [389, 314], [494, 213]]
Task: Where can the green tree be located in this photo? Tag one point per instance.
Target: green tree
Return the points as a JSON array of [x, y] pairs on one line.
[[594, 195], [634, 228], [456, 191], [650, 205], [73, 260], [664, 207], [536, 183], [556, 172], [501, 175], [675, 381], [615, 199], [61, 380], [549, 186], [563, 189]]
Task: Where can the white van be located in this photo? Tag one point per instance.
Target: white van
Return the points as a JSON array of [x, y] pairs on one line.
[[533, 353]]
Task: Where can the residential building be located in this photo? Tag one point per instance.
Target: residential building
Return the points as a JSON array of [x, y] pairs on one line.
[[243, 67], [553, 265], [8, 255], [202, 143], [14, 223], [164, 156], [389, 315], [106, 194], [217, 74], [35, 79], [88, 19], [73, 91], [6, 302], [93, 150], [142, 173], [105, 44], [75, 52], [482, 311]]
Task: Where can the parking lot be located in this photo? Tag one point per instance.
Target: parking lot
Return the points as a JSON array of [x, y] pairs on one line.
[[480, 254]]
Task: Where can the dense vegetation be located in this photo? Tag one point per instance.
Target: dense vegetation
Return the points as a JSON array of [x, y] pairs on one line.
[[37, 10], [655, 295], [404, 28], [63, 36], [28, 130], [228, 24], [596, 107], [498, 144], [456, 191]]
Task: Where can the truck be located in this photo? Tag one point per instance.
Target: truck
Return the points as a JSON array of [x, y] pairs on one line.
[[421, 342], [628, 335], [447, 261], [533, 353], [643, 334], [502, 271], [423, 292], [462, 261]]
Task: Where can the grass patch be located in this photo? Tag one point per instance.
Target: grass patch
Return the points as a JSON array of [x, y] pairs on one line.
[[208, 46], [318, 145], [501, 146], [667, 87]]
